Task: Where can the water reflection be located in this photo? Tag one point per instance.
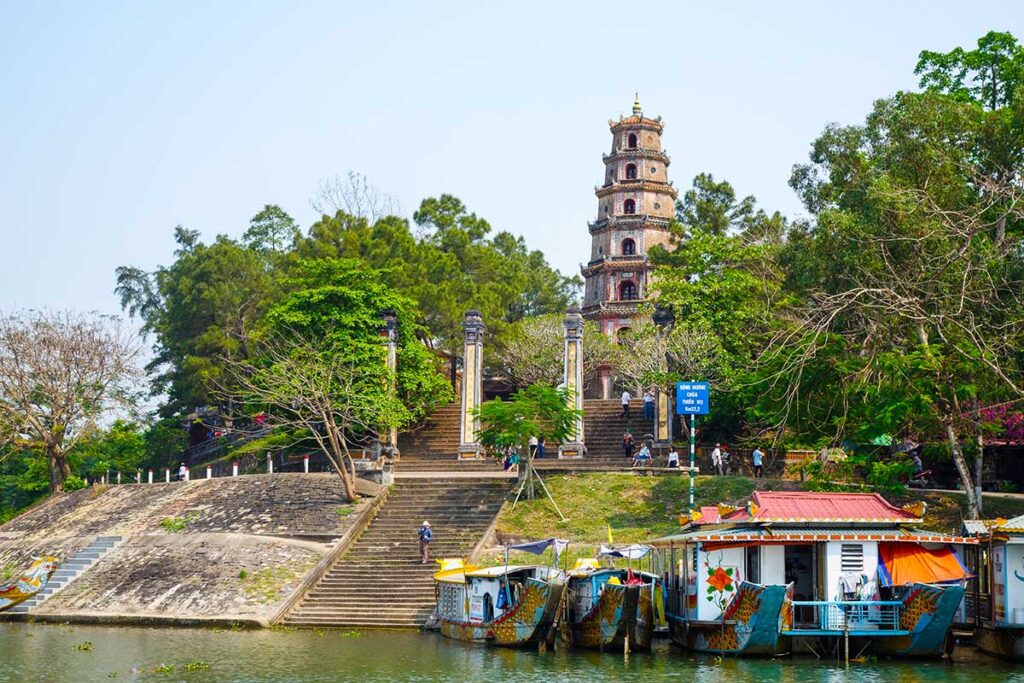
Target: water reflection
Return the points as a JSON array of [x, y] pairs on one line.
[[48, 653]]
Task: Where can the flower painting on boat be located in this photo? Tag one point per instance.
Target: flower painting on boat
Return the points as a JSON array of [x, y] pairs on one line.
[[721, 581]]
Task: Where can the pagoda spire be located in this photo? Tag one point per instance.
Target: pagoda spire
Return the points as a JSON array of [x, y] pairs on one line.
[[636, 104]]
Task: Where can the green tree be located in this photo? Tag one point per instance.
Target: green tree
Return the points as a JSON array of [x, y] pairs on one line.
[[537, 410], [121, 447], [320, 372], [901, 264], [270, 230], [201, 308], [992, 75]]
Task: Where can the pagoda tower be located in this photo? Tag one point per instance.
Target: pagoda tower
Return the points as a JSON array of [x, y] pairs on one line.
[[635, 206]]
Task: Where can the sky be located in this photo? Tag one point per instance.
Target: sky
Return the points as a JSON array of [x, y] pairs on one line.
[[121, 120]]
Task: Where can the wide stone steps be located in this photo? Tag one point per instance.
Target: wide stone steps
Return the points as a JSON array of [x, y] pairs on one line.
[[380, 582]]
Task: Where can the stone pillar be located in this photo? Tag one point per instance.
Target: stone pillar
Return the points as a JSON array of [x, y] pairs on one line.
[[472, 383], [605, 378], [573, 381], [390, 334]]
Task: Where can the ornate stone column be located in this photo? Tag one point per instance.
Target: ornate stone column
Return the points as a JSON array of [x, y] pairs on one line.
[[390, 334], [472, 383], [573, 381]]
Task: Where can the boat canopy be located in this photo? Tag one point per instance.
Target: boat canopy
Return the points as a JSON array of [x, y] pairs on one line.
[[904, 563], [632, 552]]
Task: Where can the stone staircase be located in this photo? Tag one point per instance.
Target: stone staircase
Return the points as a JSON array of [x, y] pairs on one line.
[[435, 444], [69, 571], [379, 581]]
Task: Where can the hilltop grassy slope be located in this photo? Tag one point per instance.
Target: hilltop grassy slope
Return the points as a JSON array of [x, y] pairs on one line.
[[639, 508]]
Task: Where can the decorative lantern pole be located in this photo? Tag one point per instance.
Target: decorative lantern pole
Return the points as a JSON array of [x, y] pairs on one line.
[[573, 381], [390, 334], [472, 383], [663, 318]]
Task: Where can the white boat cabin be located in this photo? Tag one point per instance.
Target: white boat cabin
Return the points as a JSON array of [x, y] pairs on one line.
[[833, 547], [482, 595]]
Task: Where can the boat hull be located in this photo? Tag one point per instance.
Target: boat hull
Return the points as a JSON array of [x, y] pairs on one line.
[[1001, 640], [620, 612], [750, 626], [527, 623], [927, 614]]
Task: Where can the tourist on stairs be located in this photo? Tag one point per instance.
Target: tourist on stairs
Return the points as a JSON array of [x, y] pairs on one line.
[[626, 398], [426, 535]]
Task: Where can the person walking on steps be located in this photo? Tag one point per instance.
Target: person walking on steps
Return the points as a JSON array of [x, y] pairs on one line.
[[648, 404], [627, 443], [626, 398], [758, 462], [716, 459], [426, 536]]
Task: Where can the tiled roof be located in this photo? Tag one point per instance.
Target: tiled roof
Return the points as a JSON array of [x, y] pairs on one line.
[[800, 506]]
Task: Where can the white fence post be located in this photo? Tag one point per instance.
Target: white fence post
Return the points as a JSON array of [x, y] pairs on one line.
[[234, 469]]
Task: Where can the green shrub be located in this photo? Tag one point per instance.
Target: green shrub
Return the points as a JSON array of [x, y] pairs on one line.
[[74, 483]]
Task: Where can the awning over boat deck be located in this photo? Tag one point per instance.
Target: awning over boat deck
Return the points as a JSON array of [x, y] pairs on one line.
[[904, 563], [718, 539]]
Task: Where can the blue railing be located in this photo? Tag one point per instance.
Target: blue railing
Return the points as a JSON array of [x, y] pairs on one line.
[[839, 616]]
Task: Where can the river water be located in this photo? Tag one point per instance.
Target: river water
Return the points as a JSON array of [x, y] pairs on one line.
[[38, 652]]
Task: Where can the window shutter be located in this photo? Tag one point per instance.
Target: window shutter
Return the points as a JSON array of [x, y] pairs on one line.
[[852, 557]]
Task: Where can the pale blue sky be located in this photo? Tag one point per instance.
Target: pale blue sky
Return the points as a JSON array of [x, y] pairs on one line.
[[119, 120]]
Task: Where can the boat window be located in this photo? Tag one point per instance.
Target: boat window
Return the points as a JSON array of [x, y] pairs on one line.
[[752, 563]]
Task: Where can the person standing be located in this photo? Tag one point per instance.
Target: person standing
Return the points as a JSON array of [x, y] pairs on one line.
[[540, 447], [426, 536], [726, 458], [716, 459], [181, 472], [533, 446], [627, 443], [626, 398], [648, 405], [758, 461], [673, 457]]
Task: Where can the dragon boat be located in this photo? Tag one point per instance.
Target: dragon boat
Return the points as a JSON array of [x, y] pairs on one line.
[[812, 572], [33, 580], [610, 608], [505, 605]]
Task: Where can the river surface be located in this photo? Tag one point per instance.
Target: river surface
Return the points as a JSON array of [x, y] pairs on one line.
[[44, 652]]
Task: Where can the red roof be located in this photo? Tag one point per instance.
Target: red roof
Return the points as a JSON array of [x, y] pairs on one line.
[[799, 506]]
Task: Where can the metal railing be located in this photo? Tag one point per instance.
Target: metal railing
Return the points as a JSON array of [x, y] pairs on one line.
[[868, 615]]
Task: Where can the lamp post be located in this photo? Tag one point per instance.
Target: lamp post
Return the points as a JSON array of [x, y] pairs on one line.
[[390, 334], [663, 318]]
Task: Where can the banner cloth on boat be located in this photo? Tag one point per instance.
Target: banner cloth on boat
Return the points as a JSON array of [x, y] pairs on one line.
[[538, 547], [903, 563], [632, 552]]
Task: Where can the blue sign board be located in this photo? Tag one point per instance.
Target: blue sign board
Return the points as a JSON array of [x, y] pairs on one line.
[[692, 398]]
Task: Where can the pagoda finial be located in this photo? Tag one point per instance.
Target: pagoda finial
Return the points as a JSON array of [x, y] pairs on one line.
[[636, 104]]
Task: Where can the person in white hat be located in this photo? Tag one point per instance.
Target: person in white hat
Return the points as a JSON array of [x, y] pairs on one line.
[[426, 535]]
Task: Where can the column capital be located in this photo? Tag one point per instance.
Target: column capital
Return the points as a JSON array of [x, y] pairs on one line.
[[473, 326], [573, 324]]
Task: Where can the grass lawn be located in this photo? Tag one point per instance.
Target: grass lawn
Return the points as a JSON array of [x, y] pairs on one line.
[[640, 508]]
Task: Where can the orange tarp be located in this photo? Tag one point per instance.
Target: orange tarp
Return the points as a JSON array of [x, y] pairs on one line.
[[903, 563]]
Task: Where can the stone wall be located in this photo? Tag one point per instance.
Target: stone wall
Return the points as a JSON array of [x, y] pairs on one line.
[[232, 549]]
